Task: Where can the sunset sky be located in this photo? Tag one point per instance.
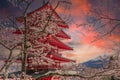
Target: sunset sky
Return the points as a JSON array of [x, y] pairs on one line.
[[81, 36]]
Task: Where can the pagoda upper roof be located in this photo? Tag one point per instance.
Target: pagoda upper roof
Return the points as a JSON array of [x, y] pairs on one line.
[[48, 10]]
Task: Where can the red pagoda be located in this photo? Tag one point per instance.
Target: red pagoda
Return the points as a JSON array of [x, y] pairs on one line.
[[44, 32]]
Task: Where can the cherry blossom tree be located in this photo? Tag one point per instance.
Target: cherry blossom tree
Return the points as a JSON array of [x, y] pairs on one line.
[[31, 36], [9, 42]]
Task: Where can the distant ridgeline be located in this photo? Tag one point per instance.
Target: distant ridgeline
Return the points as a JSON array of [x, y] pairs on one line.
[[95, 63]]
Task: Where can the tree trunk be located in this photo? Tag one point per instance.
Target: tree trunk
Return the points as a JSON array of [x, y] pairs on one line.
[[24, 60]]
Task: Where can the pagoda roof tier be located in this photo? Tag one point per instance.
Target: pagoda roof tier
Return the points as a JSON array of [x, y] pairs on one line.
[[18, 32], [53, 41], [22, 31], [58, 58], [39, 67], [51, 78], [46, 78], [62, 34], [44, 11], [57, 43]]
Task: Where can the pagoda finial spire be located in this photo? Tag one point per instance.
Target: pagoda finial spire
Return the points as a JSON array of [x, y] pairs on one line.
[[44, 2]]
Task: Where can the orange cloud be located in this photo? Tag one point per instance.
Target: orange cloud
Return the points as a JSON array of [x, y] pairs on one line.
[[59, 10], [100, 43], [81, 5], [78, 8], [86, 50], [89, 36], [70, 55], [86, 36], [83, 53], [73, 28], [115, 38]]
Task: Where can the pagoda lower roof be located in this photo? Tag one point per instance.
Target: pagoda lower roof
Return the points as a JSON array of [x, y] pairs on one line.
[[39, 67], [50, 78], [58, 58], [46, 78]]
